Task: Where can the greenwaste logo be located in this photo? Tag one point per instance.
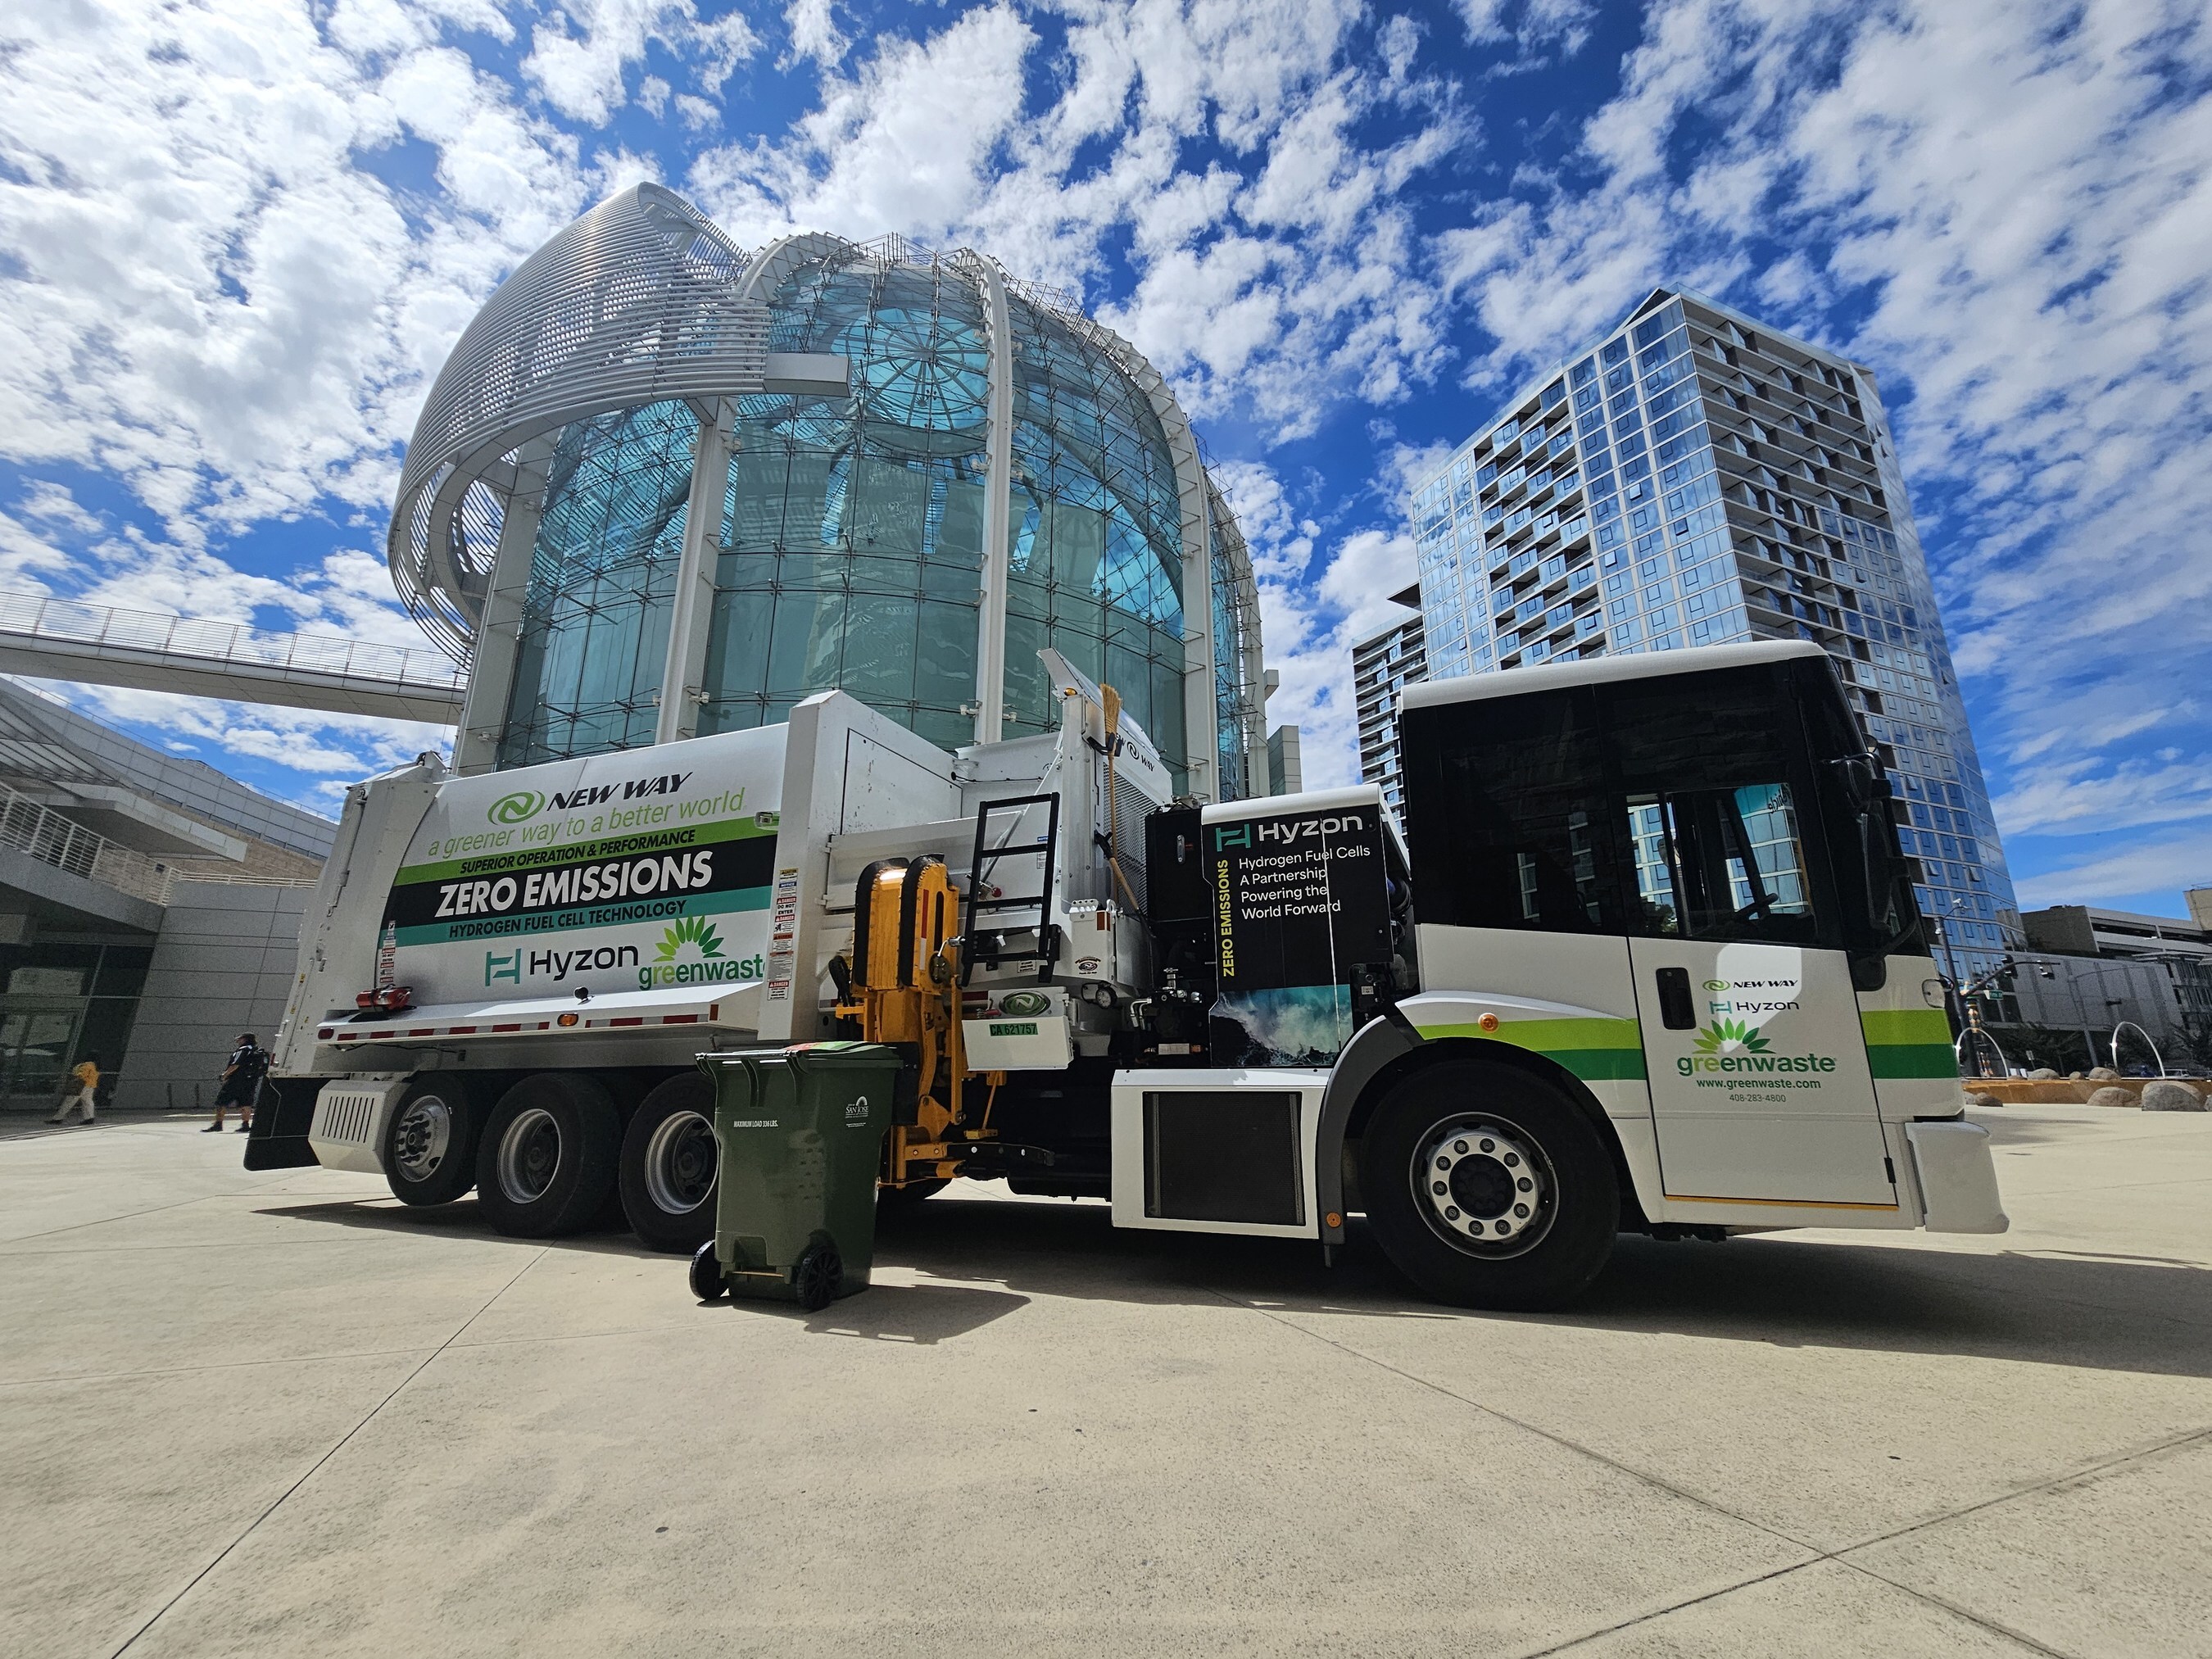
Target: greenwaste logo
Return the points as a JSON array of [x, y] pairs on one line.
[[1730, 1036], [1734, 1047], [691, 953], [693, 931], [518, 808]]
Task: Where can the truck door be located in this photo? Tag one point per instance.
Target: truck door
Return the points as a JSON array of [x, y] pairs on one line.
[[1760, 1089]]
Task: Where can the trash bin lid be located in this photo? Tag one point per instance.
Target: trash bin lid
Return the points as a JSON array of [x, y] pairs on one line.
[[843, 1056]]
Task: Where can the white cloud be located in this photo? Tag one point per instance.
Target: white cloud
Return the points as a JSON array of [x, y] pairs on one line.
[[582, 74], [2154, 873], [814, 33], [905, 144], [1313, 609]]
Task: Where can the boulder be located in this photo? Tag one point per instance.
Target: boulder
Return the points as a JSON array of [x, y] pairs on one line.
[[2042, 1074], [2103, 1074], [2167, 1096], [2109, 1097]]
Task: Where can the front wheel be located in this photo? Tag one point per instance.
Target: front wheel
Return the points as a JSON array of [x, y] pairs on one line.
[[668, 1163], [1488, 1187], [429, 1146]]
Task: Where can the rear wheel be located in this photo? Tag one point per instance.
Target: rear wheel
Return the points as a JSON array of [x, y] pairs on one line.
[[1488, 1187], [547, 1159], [668, 1163], [429, 1145]]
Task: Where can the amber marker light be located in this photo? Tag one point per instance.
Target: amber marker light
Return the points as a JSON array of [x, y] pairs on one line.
[[1488, 1021], [1332, 1219], [568, 1019]]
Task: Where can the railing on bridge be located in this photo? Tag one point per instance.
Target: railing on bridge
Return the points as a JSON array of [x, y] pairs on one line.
[[239, 644]]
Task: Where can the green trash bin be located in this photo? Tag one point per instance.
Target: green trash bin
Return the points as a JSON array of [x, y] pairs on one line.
[[801, 1132]]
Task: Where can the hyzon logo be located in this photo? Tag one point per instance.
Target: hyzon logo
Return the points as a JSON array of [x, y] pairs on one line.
[[1225, 838], [520, 807]]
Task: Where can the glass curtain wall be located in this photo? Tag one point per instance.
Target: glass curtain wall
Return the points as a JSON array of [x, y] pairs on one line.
[[595, 614], [1096, 528], [852, 532], [1235, 612]]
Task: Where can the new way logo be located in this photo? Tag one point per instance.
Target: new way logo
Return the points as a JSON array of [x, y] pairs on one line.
[[518, 808]]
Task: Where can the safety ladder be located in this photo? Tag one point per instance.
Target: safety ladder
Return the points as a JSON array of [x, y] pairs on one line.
[[1046, 954]]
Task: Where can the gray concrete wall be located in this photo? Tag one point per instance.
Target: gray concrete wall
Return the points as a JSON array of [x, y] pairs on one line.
[[2083, 991], [222, 964]]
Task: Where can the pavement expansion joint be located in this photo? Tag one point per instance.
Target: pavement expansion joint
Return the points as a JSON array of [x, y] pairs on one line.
[[337, 1447], [1816, 1555]]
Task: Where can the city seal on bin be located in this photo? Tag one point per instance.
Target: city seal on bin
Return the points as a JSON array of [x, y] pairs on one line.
[[856, 1113]]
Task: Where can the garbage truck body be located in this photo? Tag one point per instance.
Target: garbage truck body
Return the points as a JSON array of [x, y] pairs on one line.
[[1643, 956]]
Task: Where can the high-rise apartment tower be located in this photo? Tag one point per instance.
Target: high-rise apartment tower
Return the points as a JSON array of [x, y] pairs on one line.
[[1696, 478], [1384, 665]]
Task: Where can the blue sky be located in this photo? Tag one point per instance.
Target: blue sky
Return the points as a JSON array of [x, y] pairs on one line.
[[237, 238]]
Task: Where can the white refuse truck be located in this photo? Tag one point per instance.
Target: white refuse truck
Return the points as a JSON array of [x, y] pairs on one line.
[[1646, 958]]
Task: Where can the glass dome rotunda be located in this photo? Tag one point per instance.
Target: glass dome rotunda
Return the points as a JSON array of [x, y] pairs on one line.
[[665, 488]]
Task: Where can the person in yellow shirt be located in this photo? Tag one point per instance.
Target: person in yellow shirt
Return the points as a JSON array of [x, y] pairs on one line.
[[84, 1077]]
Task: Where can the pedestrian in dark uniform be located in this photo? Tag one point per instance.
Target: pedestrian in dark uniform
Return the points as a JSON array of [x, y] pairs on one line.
[[241, 1083]]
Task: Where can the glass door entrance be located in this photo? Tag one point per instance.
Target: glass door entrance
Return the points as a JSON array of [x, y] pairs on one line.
[[37, 1043]]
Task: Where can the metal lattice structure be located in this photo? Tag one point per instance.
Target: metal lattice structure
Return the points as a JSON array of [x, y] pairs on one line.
[[635, 303], [642, 506]]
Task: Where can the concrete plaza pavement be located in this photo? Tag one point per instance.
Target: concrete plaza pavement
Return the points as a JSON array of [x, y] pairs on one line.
[[280, 1414]]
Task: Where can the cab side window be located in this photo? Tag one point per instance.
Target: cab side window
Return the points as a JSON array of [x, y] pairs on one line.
[[1507, 805]]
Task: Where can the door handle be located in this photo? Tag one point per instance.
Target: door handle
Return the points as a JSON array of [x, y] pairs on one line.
[[1676, 1011]]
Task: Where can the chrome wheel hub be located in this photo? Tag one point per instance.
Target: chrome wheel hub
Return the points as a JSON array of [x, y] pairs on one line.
[[422, 1137], [529, 1156], [679, 1164], [1483, 1183]]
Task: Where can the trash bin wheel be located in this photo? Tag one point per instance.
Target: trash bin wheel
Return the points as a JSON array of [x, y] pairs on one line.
[[817, 1274], [707, 1281]]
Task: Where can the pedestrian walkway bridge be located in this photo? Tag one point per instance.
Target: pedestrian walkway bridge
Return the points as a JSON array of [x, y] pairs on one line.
[[47, 638]]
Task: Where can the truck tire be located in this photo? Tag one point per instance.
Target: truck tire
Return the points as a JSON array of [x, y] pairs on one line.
[[430, 1152], [547, 1159], [668, 1164], [1488, 1188]]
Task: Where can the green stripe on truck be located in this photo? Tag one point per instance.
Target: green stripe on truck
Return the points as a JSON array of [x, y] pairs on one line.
[[1594, 1050], [1908, 1042]]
